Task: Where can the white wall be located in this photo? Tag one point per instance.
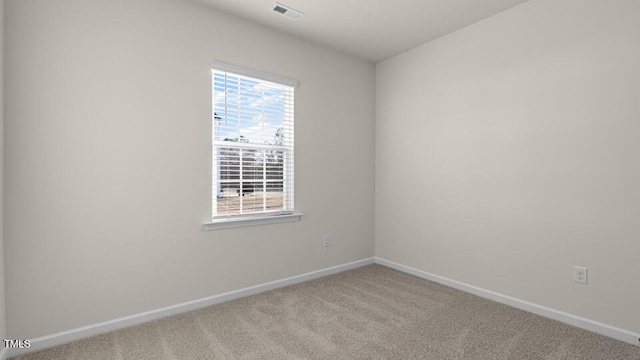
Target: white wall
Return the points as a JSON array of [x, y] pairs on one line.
[[108, 127], [3, 332], [507, 152]]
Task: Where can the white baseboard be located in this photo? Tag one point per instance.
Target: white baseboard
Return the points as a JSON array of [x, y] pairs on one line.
[[577, 321], [111, 325]]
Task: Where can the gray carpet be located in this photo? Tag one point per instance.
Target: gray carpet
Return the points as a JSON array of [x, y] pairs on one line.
[[369, 313]]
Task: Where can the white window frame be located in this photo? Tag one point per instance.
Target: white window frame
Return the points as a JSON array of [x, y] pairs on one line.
[[232, 221]]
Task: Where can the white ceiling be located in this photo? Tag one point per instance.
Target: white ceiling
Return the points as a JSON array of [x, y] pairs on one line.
[[372, 30]]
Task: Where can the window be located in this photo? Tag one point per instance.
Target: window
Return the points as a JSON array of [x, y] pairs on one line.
[[252, 143]]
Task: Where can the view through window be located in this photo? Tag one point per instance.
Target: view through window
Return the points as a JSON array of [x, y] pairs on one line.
[[252, 146]]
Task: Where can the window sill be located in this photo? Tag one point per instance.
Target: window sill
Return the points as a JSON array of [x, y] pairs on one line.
[[219, 224]]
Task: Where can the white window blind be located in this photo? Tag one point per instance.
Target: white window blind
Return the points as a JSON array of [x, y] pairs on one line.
[[252, 143]]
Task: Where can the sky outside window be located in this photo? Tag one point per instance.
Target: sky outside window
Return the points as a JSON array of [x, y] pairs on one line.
[[247, 110]]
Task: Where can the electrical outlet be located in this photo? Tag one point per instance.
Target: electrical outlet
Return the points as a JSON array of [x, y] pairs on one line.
[[580, 274], [326, 241]]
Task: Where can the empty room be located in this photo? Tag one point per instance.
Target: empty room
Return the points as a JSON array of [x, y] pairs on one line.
[[252, 179]]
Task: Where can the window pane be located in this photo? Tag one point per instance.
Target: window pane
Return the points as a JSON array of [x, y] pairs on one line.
[[228, 199], [274, 196], [275, 165], [229, 162], [252, 197]]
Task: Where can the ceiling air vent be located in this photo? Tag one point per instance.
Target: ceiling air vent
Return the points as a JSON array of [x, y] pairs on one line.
[[287, 11]]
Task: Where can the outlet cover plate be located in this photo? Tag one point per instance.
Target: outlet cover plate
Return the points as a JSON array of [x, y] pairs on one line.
[[580, 274]]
